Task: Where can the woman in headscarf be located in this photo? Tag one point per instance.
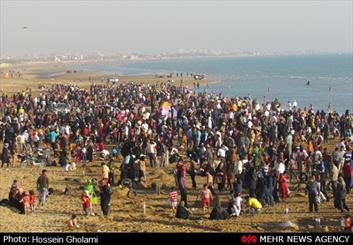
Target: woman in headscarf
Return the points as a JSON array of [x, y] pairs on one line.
[[182, 212], [217, 212]]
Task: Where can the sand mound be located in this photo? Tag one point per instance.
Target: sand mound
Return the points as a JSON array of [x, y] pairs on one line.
[[160, 176]]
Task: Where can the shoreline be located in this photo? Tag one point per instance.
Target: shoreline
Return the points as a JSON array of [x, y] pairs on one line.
[[32, 75], [49, 73]]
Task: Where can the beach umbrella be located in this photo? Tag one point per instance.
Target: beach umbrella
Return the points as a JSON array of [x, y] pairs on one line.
[[165, 108], [166, 104]]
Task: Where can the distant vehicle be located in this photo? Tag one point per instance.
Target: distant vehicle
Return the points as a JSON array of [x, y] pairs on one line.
[[113, 80], [199, 76], [61, 107]]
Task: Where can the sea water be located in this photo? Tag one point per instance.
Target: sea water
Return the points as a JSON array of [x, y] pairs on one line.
[[264, 78]]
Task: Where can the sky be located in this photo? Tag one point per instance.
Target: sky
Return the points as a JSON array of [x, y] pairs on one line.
[[166, 26]]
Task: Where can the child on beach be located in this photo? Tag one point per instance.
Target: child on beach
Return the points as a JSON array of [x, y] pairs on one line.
[[173, 199], [72, 223], [26, 202], [32, 200], [206, 197], [87, 206], [347, 223], [284, 185], [235, 205]]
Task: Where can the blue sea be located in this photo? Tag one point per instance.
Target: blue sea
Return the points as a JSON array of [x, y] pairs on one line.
[[264, 78]]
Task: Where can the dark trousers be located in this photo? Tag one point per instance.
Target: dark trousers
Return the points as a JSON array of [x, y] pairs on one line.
[[341, 204], [348, 183], [5, 162], [313, 203], [105, 208], [193, 180], [152, 158], [323, 189], [221, 185], [184, 197]]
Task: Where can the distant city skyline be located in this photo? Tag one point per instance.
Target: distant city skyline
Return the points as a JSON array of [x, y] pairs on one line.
[[153, 27]]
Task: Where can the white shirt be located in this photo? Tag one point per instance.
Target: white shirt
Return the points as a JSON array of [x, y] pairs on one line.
[[231, 115], [151, 148], [222, 151], [281, 168], [239, 168], [238, 201]]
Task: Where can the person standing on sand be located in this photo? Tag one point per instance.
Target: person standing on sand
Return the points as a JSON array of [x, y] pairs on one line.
[[105, 174], [347, 174], [181, 179], [206, 197], [26, 202], [340, 195], [313, 193], [5, 155], [105, 194], [42, 186], [151, 152], [192, 173], [173, 199], [334, 177], [283, 185], [86, 202]]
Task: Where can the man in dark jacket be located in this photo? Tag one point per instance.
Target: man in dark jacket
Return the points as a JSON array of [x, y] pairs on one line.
[[340, 195], [5, 156], [105, 194], [313, 192], [42, 186]]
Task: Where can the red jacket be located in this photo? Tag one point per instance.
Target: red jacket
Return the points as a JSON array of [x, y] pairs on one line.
[[348, 171], [86, 201]]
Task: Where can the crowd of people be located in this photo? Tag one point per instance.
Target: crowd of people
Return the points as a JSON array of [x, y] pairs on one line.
[[248, 149]]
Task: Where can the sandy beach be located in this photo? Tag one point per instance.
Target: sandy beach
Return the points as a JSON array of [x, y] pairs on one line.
[[127, 213], [33, 75]]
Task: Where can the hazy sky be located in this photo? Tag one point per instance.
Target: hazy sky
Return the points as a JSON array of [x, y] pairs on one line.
[[159, 26]]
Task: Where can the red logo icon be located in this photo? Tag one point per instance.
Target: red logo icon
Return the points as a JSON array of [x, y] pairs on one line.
[[247, 239]]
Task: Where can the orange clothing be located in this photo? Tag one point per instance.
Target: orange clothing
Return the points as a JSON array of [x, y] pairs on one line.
[[32, 199], [26, 201], [347, 223], [310, 147]]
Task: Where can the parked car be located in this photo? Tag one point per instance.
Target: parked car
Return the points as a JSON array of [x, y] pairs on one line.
[[113, 80], [61, 107]]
